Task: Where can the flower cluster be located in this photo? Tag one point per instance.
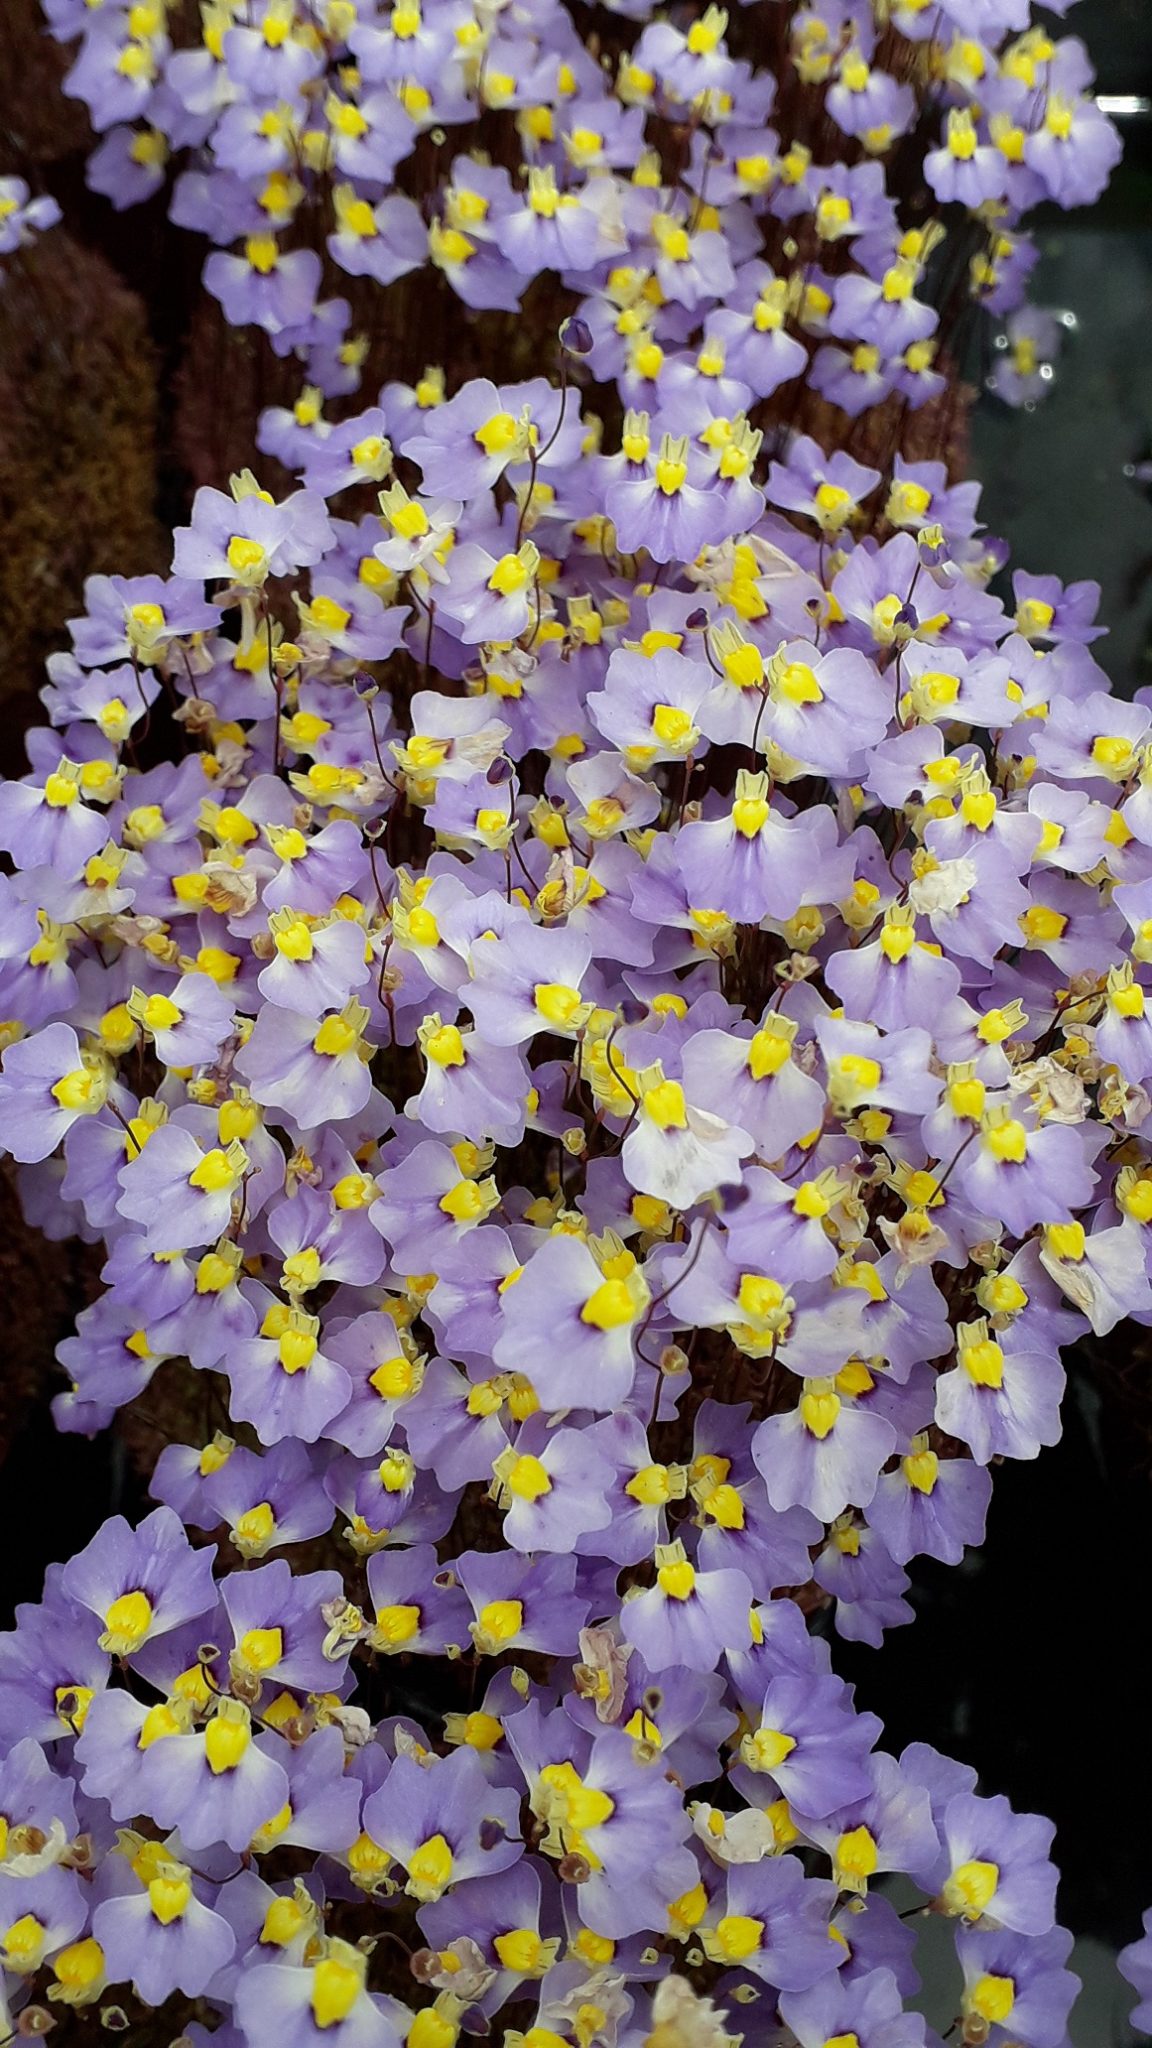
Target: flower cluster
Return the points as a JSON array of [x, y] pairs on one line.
[[652, 172], [594, 1004], [624, 1122]]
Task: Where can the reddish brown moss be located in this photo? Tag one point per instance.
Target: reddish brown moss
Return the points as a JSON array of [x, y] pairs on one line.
[[77, 453], [30, 1279], [40, 124]]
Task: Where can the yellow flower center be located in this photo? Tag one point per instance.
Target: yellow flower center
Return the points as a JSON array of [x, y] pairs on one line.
[[126, 1623], [1066, 1240], [750, 815], [1007, 1141], [499, 1621], [255, 1528], [527, 1479], [858, 1075], [767, 1748], [578, 1806], [337, 1036], [245, 557], [226, 1740], [651, 1486], [430, 1868], [215, 1173], [83, 1089], [159, 1722], [397, 1625], [672, 726], [856, 1855], [611, 1306], [921, 1470], [79, 1971], [557, 1002], [991, 1999], [444, 1047], [464, 1203], [1042, 926], [520, 1949], [510, 576], [336, 1986], [499, 435], [971, 1888], [983, 1362], [664, 1104], [301, 1271], [736, 1937], [261, 1648], [283, 1921], [819, 1411], [393, 1378], [169, 1898]]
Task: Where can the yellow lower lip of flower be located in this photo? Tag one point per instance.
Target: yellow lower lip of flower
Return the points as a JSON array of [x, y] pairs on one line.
[[127, 1623], [677, 1581], [971, 1889], [430, 1868], [336, 1986], [499, 1622]]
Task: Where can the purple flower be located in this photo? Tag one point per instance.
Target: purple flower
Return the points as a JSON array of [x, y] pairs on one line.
[[743, 892], [49, 823], [266, 287], [775, 1924], [929, 1507], [520, 1601], [469, 1086], [868, 2006], [246, 540], [22, 216], [466, 444], [141, 1582], [278, 1625], [890, 1828], [688, 1617], [1000, 1399], [609, 1808], [998, 1865], [156, 1931], [417, 1610], [51, 1667], [553, 1488], [319, 2004], [569, 1324], [316, 1070], [823, 1454], [179, 1192], [46, 1084], [443, 1822], [809, 1744], [282, 1380], [1135, 1965], [47, 1910], [1018, 1986]]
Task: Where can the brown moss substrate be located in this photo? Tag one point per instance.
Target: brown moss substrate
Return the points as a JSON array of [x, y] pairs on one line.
[[31, 1297], [78, 453], [38, 124]]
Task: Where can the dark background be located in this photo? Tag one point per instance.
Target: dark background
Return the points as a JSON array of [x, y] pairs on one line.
[[1031, 1662], [1054, 479]]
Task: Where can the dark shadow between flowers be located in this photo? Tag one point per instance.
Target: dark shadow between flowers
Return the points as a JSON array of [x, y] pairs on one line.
[[1028, 1662]]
